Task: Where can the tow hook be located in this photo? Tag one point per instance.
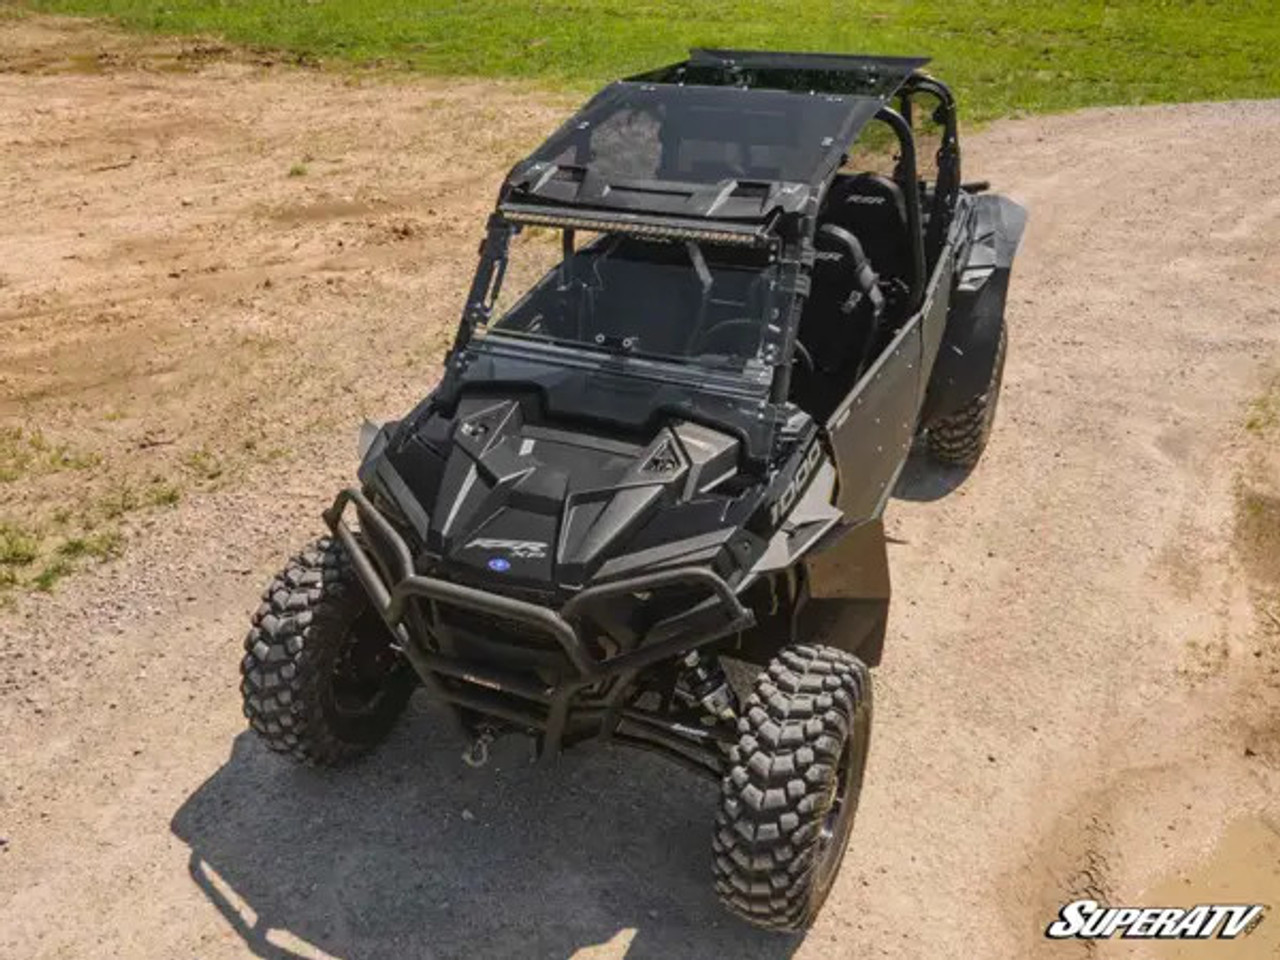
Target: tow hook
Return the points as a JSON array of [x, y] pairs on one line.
[[477, 754]]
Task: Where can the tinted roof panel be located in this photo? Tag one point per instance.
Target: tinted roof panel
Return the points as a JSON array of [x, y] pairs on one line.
[[693, 150], [727, 134], [706, 134], [868, 76]]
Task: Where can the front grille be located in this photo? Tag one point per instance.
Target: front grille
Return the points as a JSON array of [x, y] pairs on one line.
[[488, 626]]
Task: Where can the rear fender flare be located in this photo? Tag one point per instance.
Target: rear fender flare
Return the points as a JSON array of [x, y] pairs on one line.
[[970, 340]]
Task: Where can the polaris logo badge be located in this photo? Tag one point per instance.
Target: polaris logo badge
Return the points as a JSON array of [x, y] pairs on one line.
[[520, 549], [1089, 920]]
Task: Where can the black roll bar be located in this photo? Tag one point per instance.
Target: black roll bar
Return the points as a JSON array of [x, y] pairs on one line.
[[912, 188]]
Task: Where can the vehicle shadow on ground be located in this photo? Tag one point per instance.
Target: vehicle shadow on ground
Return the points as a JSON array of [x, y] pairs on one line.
[[412, 854], [923, 480]]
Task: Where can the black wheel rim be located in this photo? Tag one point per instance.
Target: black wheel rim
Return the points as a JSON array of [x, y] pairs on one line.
[[837, 824]]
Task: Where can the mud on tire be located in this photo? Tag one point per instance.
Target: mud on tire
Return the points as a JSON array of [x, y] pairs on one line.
[[788, 802], [320, 681], [958, 440]]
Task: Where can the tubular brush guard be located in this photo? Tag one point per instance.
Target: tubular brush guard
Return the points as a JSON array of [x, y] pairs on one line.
[[594, 691]]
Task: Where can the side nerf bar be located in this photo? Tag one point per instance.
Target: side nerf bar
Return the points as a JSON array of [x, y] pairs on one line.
[[375, 571]]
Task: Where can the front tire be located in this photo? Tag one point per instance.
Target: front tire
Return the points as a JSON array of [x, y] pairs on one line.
[[788, 803], [958, 440], [319, 677]]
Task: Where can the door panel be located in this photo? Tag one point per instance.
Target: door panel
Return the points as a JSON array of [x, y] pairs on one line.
[[934, 313], [871, 430]]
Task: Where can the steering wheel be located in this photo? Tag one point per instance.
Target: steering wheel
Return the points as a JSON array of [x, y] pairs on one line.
[[701, 343], [805, 356], [802, 352]]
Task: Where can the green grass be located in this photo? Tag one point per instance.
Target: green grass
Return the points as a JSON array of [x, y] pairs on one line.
[[18, 547], [164, 494], [1002, 56], [100, 546], [203, 463], [53, 571], [28, 451]]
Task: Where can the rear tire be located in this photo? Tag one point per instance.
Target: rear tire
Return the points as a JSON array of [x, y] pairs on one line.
[[320, 680], [788, 803], [958, 440]]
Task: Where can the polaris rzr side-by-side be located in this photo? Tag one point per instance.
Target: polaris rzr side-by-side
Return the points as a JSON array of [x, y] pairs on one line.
[[663, 465]]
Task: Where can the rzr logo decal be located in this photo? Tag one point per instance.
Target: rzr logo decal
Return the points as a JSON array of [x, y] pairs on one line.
[[520, 549]]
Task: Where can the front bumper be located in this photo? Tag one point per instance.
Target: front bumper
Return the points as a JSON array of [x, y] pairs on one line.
[[593, 691]]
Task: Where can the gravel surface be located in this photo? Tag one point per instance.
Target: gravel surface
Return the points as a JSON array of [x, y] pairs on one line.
[[1081, 685]]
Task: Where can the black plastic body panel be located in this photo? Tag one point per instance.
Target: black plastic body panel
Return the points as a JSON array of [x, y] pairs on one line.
[[871, 430]]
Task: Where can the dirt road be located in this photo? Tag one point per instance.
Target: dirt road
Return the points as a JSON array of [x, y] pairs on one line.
[[211, 267]]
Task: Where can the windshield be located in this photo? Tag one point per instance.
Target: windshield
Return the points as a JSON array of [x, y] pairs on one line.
[[681, 300]]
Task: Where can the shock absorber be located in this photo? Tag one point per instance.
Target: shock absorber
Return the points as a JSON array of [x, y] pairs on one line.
[[704, 682]]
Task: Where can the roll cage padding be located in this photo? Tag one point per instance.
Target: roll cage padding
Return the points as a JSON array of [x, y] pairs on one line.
[[864, 276]]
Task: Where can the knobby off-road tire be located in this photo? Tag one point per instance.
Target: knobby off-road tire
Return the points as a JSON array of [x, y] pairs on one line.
[[958, 440], [319, 679], [788, 802]]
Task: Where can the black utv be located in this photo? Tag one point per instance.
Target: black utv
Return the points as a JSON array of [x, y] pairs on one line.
[[661, 465]]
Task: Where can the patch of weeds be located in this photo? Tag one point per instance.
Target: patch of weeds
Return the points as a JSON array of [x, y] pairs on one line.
[[101, 546], [164, 495], [298, 170], [119, 501], [18, 547], [203, 463], [25, 452], [1264, 412], [15, 456], [53, 571], [1258, 533]]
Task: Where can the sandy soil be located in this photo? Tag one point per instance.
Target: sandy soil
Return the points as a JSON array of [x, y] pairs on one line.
[[1081, 689]]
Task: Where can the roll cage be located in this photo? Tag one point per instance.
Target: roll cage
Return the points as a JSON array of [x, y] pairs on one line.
[[572, 183]]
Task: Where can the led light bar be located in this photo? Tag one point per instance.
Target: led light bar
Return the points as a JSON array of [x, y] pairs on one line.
[[631, 227]]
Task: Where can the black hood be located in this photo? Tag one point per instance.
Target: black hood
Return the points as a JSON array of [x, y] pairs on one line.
[[496, 498]]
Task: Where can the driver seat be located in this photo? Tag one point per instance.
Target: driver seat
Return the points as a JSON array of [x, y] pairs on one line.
[[873, 208], [840, 317], [841, 320]]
